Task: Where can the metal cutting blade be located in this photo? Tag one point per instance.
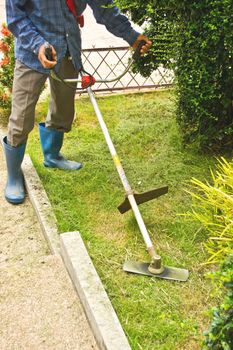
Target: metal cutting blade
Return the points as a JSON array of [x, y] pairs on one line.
[[169, 273]]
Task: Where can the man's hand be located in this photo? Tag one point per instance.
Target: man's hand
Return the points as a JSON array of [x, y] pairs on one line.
[[43, 59], [145, 47]]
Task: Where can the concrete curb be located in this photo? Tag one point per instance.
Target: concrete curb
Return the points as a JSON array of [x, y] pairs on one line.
[[102, 317], [103, 320], [41, 205]]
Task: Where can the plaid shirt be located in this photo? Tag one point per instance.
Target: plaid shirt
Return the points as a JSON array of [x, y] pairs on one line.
[[33, 22]]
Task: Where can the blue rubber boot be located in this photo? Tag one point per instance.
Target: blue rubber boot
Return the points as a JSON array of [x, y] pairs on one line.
[[51, 142], [14, 191]]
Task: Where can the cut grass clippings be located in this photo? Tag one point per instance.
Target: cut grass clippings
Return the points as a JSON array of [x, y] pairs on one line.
[[155, 314]]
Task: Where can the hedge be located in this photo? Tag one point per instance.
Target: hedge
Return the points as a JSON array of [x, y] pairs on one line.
[[195, 39]]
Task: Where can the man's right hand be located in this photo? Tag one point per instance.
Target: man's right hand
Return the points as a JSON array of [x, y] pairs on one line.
[[43, 59]]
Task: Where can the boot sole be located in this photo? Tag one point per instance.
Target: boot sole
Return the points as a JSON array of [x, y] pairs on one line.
[[14, 201], [57, 167]]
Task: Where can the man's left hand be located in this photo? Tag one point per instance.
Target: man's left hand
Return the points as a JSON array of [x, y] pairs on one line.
[[145, 47]]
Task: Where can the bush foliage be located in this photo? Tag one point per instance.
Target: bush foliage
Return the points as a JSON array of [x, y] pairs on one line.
[[195, 37], [220, 334], [6, 67], [213, 207]]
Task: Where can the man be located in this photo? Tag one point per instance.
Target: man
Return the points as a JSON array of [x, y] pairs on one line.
[[36, 24]]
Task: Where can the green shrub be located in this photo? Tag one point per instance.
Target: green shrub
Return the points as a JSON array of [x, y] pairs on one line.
[[205, 74], [213, 208], [196, 36], [6, 67], [160, 28], [220, 334]]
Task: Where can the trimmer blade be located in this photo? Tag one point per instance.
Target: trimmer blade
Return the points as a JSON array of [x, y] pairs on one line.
[[169, 273], [142, 198]]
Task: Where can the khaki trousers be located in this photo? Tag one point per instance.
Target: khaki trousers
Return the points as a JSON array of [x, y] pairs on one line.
[[27, 86]]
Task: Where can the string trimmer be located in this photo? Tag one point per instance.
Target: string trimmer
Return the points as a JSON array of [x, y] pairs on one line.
[[155, 268]]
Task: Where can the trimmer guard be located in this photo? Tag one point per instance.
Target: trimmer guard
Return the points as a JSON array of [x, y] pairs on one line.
[[169, 273], [142, 198]]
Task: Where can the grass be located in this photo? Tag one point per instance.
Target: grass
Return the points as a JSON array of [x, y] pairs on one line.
[[155, 314]]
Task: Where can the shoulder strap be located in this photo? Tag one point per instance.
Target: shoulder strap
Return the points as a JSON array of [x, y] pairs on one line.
[[72, 8]]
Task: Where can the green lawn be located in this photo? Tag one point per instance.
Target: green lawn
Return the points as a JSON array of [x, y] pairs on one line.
[[155, 314]]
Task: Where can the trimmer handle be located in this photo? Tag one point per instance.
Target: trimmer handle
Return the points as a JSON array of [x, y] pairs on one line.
[[89, 79], [137, 53]]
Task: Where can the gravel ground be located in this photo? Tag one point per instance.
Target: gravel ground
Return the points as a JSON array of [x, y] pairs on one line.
[[39, 308]]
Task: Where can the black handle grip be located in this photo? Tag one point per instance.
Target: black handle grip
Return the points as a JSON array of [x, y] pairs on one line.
[[137, 54], [49, 53]]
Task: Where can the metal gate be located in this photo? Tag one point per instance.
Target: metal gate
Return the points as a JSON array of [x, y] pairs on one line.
[[107, 63]]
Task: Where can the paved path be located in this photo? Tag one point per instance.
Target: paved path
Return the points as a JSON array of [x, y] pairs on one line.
[[39, 309], [93, 34]]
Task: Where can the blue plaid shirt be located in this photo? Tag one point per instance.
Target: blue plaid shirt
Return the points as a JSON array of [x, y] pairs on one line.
[[33, 22]]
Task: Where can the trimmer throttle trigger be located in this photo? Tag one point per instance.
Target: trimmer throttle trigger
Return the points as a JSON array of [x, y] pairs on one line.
[[137, 53], [48, 52]]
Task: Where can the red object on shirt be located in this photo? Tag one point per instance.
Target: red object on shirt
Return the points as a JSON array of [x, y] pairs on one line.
[[72, 8]]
